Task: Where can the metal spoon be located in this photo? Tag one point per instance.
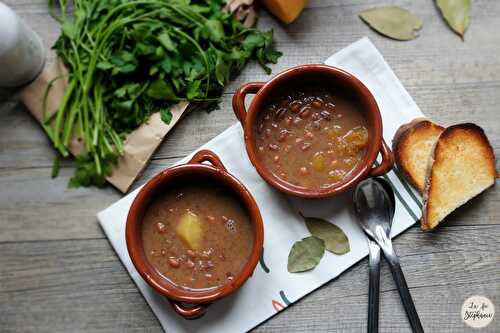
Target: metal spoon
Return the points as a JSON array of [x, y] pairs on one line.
[[374, 267], [373, 208]]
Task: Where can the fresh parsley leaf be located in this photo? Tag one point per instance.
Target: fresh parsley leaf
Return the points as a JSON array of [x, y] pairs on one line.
[[193, 89], [166, 115], [166, 41], [160, 89], [214, 30]]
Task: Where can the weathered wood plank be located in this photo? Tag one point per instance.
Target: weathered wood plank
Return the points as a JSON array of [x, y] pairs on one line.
[[35, 207], [80, 285]]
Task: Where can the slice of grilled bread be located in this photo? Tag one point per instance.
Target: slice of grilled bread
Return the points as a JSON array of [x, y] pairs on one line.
[[463, 165], [412, 146]]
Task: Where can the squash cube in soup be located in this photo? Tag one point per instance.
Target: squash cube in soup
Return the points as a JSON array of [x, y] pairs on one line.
[[190, 230]]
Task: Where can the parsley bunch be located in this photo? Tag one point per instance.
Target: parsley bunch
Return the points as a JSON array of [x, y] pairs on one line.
[[130, 58]]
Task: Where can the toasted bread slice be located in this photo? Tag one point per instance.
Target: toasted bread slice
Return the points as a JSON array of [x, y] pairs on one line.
[[463, 165], [412, 146]]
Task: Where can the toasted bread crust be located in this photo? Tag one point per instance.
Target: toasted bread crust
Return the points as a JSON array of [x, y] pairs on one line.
[[403, 153], [457, 133]]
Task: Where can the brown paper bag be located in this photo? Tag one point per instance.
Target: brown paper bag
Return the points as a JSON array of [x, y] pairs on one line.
[[139, 145]]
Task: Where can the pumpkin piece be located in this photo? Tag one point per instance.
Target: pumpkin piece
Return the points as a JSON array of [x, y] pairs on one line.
[[286, 10]]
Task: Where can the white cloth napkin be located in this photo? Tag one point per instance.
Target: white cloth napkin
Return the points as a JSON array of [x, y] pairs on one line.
[[271, 288]]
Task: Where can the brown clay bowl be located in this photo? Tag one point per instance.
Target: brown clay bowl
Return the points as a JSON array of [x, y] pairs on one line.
[[328, 76], [190, 304]]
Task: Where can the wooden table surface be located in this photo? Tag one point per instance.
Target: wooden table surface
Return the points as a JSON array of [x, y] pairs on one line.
[[58, 273]]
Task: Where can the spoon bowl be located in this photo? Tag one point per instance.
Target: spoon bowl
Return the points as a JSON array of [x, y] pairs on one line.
[[388, 188], [374, 208]]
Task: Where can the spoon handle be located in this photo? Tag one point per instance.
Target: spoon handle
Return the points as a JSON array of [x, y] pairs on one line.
[[399, 278], [374, 286]]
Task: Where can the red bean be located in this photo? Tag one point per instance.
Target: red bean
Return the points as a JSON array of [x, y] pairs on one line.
[[317, 104], [282, 136], [161, 227], [305, 146], [268, 133], [325, 115], [274, 147], [288, 121], [316, 125], [309, 135], [305, 112], [190, 264], [276, 158], [174, 263], [295, 106], [280, 114]]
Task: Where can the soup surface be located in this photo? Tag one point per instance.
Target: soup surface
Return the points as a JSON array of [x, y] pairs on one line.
[[198, 236], [311, 137]]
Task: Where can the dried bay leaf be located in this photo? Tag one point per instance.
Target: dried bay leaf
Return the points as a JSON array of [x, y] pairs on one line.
[[456, 14], [392, 21], [335, 239], [305, 254]]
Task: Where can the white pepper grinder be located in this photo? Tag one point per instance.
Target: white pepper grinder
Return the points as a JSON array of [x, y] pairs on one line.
[[22, 55]]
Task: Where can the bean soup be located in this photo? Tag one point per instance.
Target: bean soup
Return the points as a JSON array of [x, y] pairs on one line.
[[198, 234], [311, 137]]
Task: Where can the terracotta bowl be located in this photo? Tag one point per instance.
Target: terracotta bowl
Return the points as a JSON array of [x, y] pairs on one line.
[[188, 303], [330, 77]]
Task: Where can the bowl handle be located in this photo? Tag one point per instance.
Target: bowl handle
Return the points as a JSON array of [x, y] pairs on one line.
[[387, 161], [189, 312], [239, 98], [205, 155]]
